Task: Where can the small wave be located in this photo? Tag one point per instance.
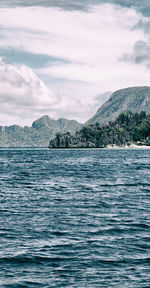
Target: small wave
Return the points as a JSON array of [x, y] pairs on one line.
[[60, 233], [32, 259], [140, 225], [24, 284], [81, 221]]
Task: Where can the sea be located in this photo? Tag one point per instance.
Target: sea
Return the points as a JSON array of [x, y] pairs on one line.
[[75, 218]]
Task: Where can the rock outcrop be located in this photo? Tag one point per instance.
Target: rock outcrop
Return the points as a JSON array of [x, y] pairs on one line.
[[127, 129]]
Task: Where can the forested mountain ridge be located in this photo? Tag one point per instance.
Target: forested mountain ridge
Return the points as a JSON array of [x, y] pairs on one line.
[[43, 130], [127, 129]]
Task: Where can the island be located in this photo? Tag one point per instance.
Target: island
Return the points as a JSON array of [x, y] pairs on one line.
[[129, 128]]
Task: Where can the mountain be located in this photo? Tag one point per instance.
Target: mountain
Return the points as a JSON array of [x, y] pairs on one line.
[[38, 135], [133, 99], [129, 128]]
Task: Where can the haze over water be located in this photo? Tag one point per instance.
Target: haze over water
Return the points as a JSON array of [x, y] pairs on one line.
[[75, 218]]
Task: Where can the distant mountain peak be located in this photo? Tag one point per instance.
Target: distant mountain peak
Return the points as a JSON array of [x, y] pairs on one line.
[[44, 121], [42, 130], [133, 99]]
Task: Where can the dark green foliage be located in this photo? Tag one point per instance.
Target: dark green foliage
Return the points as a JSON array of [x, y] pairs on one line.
[[128, 128], [88, 131], [58, 134]]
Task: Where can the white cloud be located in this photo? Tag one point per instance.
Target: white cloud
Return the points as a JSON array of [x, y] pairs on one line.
[[22, 93], [91, 38], [91, 42], [24, 97]]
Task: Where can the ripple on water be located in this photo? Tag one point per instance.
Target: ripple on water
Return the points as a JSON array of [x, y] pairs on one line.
[[74, 218]]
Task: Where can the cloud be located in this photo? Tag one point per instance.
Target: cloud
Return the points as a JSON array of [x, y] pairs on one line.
[[140, 54], [90, 42], [22, 92], [79, 5], [78, 56], [63, 4], [140, 6], [24, 97]]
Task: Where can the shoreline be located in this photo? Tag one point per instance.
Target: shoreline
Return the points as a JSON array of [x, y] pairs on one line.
[[109, 146], [131, 146]]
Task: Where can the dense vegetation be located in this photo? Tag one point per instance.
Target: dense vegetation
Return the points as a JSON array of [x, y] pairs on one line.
[[128, 128]]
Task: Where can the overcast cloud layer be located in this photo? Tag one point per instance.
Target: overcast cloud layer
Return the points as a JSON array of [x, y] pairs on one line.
[[142, 6], [65, 62]]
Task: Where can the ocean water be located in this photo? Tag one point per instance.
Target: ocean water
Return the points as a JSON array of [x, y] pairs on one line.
[[75, 218]]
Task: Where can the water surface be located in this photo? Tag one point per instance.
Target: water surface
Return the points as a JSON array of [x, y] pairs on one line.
[[75, 218]]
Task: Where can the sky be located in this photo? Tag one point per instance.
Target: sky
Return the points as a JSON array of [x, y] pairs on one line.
[[64, 58]]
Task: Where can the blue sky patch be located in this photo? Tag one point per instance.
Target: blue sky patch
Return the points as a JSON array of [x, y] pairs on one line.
[[14, 56]]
